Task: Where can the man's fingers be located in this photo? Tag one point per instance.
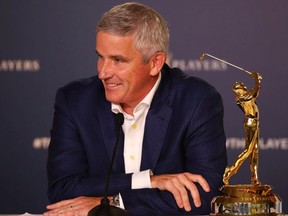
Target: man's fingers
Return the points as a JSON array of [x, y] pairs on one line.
[[183, 183], [59, 204], [194, 190], [198, 178], [187, 181], [171, 187], [195, 194], [78, 206], [178, 184]]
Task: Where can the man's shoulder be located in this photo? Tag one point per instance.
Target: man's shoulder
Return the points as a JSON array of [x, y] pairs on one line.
[[81, 89], [183, 81], [81, 83]]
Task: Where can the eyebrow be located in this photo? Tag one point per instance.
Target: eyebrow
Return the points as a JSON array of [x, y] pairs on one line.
[[114, 56]]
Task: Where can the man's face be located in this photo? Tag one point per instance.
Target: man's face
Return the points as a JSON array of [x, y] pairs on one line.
[[125, 78]]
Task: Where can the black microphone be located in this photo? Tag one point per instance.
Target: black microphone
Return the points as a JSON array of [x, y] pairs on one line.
[[105, 209]]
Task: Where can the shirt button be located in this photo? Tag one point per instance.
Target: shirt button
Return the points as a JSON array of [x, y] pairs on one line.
[[132, 157], [134, 126]]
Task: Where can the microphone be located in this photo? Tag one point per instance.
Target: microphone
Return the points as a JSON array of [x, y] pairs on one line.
[[105, 209]]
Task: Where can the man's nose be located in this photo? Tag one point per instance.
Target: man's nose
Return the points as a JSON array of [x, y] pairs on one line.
[[104, 70]]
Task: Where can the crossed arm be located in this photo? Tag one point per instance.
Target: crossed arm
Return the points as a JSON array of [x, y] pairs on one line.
[[177, 184]]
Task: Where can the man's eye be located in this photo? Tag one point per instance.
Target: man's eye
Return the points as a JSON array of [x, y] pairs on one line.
[[118, 60]]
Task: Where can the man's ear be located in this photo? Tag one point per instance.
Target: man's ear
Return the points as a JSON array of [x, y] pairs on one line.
[[157, 63]]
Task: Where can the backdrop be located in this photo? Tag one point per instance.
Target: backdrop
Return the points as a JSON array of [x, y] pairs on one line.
[[45, 44]]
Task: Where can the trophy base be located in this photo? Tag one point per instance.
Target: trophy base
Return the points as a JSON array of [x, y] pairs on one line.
[[246, 200]]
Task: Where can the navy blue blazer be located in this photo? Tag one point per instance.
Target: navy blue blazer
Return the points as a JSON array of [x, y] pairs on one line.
[[183, 133]]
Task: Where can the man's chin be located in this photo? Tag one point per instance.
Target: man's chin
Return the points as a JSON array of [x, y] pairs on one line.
[[113, 99]]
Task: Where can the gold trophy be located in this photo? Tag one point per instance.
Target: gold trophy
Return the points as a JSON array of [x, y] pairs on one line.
[[254, 198]]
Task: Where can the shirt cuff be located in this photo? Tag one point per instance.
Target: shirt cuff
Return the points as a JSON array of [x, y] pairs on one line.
[[121, 202], [141, 179]]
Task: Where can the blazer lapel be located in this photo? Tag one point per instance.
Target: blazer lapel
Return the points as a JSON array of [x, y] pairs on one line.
[[109, 130], [157, 122]]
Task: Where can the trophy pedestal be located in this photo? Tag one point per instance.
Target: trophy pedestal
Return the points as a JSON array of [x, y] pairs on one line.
[[246, 200]]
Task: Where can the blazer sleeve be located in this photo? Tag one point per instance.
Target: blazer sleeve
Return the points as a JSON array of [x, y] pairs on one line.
[[71, 158]]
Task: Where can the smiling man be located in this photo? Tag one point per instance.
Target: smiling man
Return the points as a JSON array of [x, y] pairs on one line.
[[126, 79], [172, 153]]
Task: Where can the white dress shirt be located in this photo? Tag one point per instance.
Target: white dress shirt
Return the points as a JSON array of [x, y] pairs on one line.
[[133, 129]]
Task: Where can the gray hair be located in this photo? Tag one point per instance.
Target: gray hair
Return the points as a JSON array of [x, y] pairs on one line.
[[148, 28]]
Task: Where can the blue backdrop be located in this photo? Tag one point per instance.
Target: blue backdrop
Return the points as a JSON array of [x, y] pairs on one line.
[[45, 44]]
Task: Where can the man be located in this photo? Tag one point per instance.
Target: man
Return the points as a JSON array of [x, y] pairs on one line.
[[171, 155]]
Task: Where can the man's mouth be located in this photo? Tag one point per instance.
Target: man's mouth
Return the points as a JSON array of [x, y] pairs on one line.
[[112, 84]]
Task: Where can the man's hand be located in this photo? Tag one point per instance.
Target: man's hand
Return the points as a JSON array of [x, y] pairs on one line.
[[79, 206], [178, 184]]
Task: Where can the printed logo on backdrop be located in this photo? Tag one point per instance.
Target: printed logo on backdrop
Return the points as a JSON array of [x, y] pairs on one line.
[[187, 65], [19, 65], [235, 143]]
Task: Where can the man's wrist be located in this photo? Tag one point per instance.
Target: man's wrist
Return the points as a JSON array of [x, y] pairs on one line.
[[114, 200]]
